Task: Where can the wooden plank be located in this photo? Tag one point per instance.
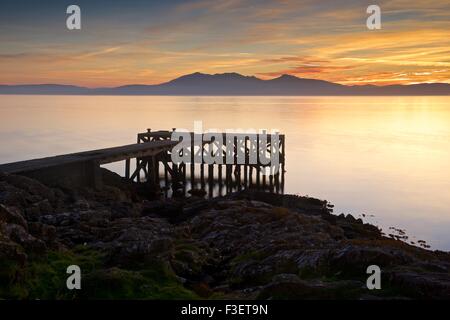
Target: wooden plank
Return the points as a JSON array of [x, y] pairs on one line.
[[100, 156], [127, 168]]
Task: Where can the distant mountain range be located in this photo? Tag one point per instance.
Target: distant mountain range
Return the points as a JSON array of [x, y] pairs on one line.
[[235, 84]]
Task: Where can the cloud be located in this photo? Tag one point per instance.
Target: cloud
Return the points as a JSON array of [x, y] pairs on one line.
[[326, 40], [98, 52]]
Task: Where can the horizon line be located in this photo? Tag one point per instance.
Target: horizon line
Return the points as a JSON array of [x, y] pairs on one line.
[[217, 74]]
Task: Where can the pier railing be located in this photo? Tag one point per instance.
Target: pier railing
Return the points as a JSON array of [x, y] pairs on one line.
[[196, 173]]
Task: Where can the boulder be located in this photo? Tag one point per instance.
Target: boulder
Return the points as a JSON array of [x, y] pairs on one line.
[[19, 235], [290, 286], [12, 215], [431, 285]]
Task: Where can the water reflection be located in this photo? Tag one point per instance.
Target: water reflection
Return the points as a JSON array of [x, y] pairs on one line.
[[217, 183]]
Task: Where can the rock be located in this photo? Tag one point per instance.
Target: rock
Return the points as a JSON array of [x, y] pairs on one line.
[[125, 209], [11, 252], [313, 261], [136, 241], [193, 259], [197, 192], [11, 196], [420, 285], [353, 259], [246, 245], [162, 208], [82, 204], [290, 286], [434, 266], [12, 215], [30, 186], [42, 231], [20, 235]]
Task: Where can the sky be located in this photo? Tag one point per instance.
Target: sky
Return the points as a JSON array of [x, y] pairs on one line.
[[149, 42]]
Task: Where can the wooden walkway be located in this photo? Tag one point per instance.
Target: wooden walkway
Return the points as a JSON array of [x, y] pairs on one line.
[[100, 156], [152, 154]]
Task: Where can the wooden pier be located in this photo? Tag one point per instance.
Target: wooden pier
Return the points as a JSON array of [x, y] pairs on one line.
[[83, 168], [153, 164], [213, 178]]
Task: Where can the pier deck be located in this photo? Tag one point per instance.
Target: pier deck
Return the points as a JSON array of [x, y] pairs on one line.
[[100, 156]]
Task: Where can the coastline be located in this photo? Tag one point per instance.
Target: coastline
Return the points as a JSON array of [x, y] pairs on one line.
[[132, 244]]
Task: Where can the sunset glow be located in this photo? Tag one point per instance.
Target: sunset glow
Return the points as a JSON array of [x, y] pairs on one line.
[[151, 42]]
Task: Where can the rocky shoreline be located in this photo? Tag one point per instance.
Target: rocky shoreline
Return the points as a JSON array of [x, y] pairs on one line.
[[248, 245]]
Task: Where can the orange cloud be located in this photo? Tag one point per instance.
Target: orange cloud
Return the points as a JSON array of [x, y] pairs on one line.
[[327, 41]]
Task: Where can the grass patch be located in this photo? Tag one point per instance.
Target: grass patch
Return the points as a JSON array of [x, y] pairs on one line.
[[153, 283], [45, 278]]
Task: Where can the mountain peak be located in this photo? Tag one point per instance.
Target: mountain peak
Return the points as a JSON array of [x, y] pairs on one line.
[[197, 77], [287, 77], [192, 76]]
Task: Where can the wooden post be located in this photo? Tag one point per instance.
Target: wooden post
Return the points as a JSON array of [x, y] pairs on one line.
[[211, 173], [127, 168], [202, 175], [246, 161], [155, 170], [229, 177], [271, 181], [138, 168], [192, 161], [138, 178], [219, 178], [166, 175], [258, 167], [264, 179], [210, 179], [277, 181], [149, 173], [93, 174]]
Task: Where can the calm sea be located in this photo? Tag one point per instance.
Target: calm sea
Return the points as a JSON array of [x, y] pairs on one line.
[[385, 157]]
